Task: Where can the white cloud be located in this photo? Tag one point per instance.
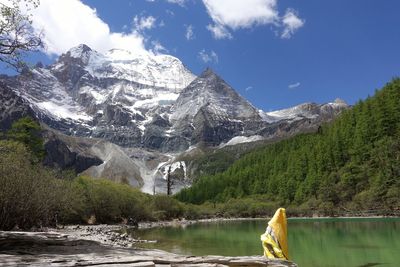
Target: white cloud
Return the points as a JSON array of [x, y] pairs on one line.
[[179, 2], [219, 32], [170, 12], [67, 23], [248, 88], [189, 34], [242, 14], [231, 15], [294, 85], [236, 14], [208, 57], [291, 23], [158, 48], [144, 23]]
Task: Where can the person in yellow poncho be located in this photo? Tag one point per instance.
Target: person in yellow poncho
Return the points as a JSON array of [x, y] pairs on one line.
[[274, 240]]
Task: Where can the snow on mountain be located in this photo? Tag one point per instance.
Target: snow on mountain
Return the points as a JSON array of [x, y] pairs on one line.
[[47, 94], [149, 73], [63, 111], [303, 110], [241, 139], [163, 71], [211, 92], [306, 110], [83, 83]]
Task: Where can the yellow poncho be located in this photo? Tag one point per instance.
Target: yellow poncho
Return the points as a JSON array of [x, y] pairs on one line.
[[274, 240]]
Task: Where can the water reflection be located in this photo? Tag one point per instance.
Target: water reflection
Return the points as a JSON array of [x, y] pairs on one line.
[[370, 264]]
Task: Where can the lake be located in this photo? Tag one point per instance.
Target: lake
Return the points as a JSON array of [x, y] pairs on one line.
[[333, 242]]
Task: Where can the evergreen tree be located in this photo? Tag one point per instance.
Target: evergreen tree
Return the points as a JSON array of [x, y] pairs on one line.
[[28, 131]]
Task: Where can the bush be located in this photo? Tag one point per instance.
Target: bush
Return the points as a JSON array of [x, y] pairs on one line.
[[165, 208], [248, 207], [108, 201], [205, 210], [28, 132], [29, 195]]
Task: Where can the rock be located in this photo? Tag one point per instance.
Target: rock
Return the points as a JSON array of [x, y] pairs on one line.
[[59, 155], [133, 222], [12, 107]]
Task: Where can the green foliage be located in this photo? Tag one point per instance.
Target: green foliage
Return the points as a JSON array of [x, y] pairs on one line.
[[29, 195], [253, 206], [216, 162], [166, 208], [28, 132], [107, 201], [350, 164]]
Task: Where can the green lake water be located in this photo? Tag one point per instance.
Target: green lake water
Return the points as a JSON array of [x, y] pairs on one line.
[[359, 242]]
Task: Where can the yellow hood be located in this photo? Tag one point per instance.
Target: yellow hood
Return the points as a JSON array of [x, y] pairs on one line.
[[279, 225]]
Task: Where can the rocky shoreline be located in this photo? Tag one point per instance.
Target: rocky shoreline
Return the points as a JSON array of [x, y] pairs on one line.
[[183, 222], [117, 235]]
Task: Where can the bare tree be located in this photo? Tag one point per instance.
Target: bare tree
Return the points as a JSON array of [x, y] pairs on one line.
[[169, 182], [17, 36]]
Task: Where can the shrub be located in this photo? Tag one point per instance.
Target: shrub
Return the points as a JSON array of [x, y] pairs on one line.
[[108, 201], [28, 132], [29, 195], [166, 207], [248, 207]]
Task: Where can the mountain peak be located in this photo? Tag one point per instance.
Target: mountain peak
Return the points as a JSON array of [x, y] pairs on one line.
[[340, 101], [79, 50], [79, 54], [208, 72]]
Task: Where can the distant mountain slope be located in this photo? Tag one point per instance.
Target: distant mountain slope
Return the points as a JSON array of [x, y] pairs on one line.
[[350, 164]]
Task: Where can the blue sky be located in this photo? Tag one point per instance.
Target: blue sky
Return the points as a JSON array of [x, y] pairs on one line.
[[331, 49]]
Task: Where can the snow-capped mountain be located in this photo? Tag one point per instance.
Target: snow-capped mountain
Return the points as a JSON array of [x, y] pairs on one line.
[[210, 91], [211, 112], [148, 102], [86, 93]]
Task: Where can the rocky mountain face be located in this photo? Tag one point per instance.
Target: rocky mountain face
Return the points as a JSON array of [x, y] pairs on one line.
[[144, 110], [113, 96], [12, 107], [211, 112]]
